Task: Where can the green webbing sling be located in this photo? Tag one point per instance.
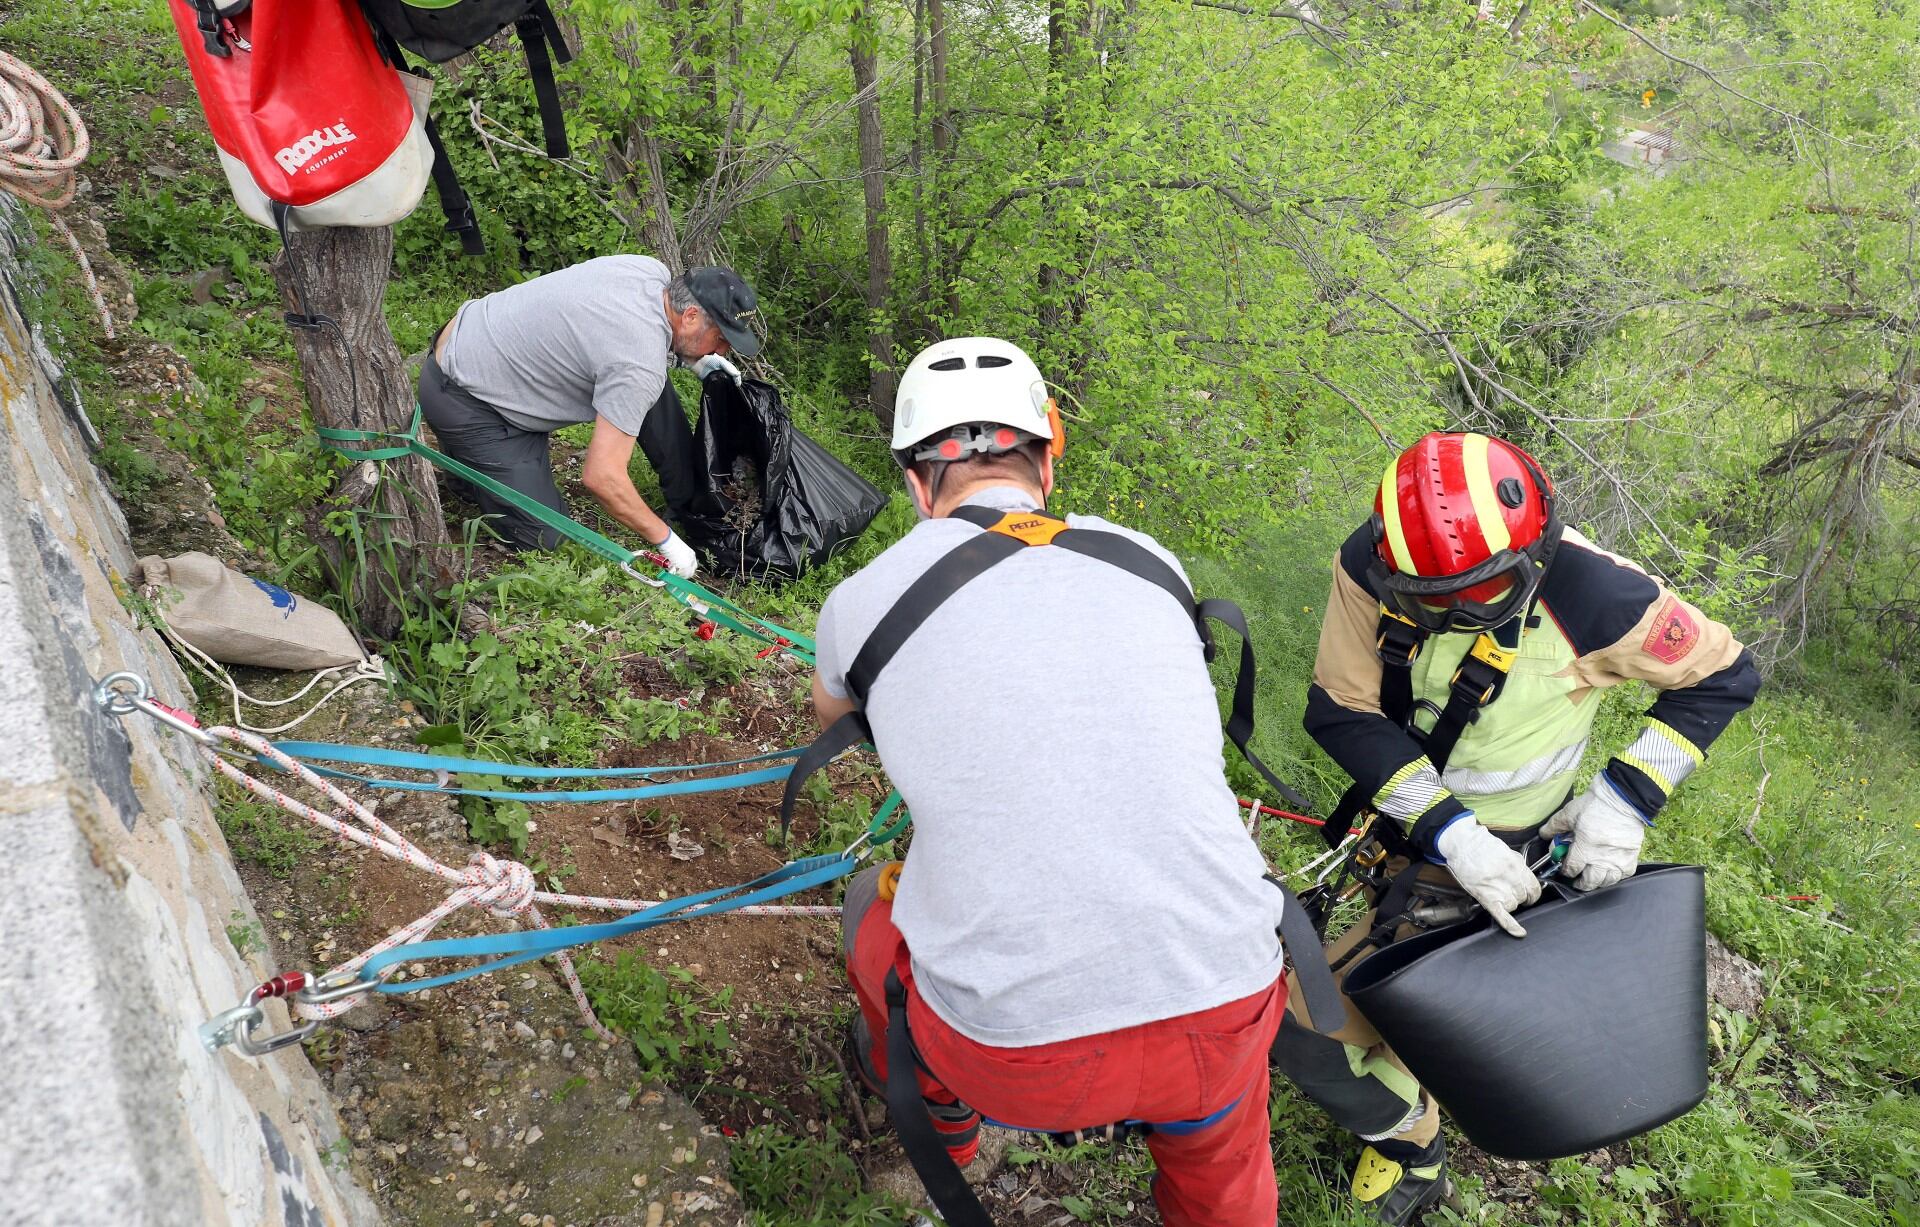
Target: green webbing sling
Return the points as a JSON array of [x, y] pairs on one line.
[[707, 604]]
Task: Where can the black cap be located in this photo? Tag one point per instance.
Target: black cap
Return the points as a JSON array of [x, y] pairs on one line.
[[729, 302]]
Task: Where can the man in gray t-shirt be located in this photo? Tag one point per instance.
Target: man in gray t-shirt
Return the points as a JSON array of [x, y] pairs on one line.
[[588, 343], [1082, 929]]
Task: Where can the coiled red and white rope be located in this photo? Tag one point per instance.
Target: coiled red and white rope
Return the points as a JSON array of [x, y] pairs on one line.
[[42, 144]]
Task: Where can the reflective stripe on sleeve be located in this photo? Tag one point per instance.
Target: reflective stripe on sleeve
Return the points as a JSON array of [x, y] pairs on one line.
[[1411, 791], [1663, 755]]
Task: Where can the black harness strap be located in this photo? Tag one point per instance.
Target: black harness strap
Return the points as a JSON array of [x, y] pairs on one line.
[[925, 1149], [1478, 681], [954, 571], [538, 30], [1240, 717]]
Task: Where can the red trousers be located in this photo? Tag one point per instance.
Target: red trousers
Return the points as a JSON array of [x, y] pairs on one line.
[[1178, 1069]]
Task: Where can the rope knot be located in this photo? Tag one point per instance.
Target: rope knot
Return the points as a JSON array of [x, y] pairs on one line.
[[509, 884]]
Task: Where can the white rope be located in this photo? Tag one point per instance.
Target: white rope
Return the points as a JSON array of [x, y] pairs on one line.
[[370, 669], [505, 888], [42, 143]]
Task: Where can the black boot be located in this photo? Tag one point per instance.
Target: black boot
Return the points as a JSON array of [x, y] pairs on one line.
[[1397, 1182]]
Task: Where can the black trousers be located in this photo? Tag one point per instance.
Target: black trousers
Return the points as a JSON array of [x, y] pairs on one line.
[[473, 432]]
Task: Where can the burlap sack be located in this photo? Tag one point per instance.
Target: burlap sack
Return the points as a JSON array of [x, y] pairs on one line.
[[244, 621]]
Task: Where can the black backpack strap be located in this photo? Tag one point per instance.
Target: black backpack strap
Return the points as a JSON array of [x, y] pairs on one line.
[[446, 181], [925, 1149], [536, 29], [1240, 717], [453, 198], [207, 21], [843, 734]]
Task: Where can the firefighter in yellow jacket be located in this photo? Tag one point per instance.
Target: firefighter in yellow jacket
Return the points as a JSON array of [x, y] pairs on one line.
[[1466, 640]]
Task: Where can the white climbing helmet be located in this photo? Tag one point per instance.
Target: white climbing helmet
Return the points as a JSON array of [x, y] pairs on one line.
[[969, 381]]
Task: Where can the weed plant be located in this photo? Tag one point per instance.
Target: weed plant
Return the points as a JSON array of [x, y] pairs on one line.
[[676, 1028]]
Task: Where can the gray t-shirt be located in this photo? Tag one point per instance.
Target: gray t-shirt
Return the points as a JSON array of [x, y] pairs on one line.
[[1079, 864], [587, 340]]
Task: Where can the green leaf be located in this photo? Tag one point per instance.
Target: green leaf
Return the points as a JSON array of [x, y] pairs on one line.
[[439, 735]]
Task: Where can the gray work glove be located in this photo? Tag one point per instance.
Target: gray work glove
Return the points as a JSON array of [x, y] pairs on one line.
[[1607, 834], [681, 560], [714, 362], [1495, 875]]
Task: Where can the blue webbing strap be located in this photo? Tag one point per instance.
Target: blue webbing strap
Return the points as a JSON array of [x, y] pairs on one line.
[[312, 753], [676, 788], [521, 947], [373, 756]]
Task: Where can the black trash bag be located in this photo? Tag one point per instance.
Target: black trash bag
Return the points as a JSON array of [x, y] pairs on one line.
[[776, 502]]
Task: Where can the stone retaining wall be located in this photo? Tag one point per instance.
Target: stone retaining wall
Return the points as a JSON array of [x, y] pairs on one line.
[[117, 893]]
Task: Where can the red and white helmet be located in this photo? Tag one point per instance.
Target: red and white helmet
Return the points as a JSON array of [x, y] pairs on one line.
[[1464, 527]]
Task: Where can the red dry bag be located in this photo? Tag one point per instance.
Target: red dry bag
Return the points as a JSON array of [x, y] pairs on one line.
[[305, 112]]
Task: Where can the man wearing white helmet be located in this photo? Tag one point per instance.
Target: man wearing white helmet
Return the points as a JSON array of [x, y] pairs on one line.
[[1081, 935]]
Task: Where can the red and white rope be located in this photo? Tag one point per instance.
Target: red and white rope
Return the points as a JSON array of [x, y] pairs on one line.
[[42, 144], [506, 888]]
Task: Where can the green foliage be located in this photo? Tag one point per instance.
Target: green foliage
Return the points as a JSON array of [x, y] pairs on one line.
[[673, 1024], [260, 834], [491, 821], [789, 1181], [244, 934]]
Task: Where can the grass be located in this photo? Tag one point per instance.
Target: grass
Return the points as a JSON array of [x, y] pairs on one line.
[[261, 835]]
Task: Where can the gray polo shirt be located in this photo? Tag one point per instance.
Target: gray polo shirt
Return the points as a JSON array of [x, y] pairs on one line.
[[585, 341], [1079, 864]]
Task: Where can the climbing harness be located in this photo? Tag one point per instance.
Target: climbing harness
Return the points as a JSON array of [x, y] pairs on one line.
[[1005, 535], [710, 606], [506, 889]]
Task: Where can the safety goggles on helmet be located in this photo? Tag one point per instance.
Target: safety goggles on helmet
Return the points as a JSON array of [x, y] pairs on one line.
[[1480, 598]]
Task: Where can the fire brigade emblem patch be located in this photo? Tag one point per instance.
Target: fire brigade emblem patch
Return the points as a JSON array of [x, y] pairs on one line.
[[1674, 633]]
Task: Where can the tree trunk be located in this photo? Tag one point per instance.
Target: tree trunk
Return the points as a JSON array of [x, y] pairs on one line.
[[923, 266], [356, 379], [882, 379], [946, 224], [1061, 303]]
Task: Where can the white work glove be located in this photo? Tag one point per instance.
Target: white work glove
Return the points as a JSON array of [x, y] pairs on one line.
[[1495, 875], [1607, 833], [681, 560], [714, 362]]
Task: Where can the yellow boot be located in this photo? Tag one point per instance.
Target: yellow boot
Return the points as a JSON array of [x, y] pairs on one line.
[[1397, 1181]]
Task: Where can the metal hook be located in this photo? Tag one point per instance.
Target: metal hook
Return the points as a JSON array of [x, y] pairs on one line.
[[117, 700]]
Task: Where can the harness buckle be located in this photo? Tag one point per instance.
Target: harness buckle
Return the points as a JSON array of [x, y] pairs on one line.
[[1485, 669], [1399, 640]]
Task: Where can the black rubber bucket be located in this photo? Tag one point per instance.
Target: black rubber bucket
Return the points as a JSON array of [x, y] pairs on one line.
[[1591, 1029]]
